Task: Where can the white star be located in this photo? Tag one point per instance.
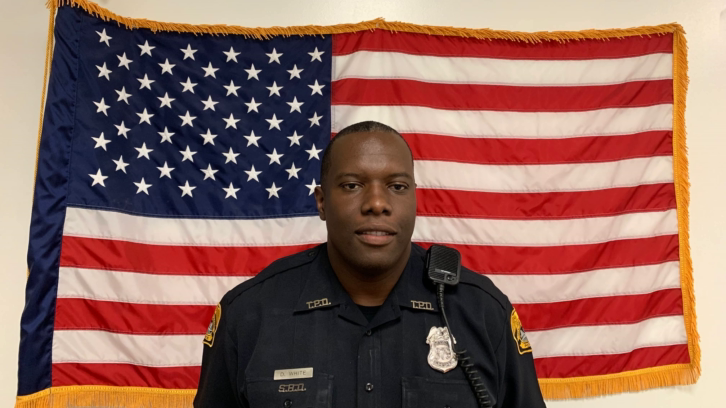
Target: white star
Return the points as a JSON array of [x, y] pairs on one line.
[[313, 152], [317, 88], [252, 106], [166, 101], [273, 191], [315, 120], [292, 172], [295, 138], [98, 178], [123, 96], [122, 130], [274, 156], [208, 137], [210, 70], [145, 82], [252, 139], [316, 55], [146, 48], [123, 61], [274, 56], [166, 136], [120, 164], [231, 89], [209, 172], [104, 37], [209, 103], [188, 52], [231, 156], [274, 89], [231, 121], [311, 186], [187, 189], [252, 174], [252, 72], [103, 71], [188, 155], [274, 122], [187, 119], [102, 107], [231, 191], [231, 55], [144, 117], [166, 67], [295, 105], [143, 151], [101, 142], [189, 85], [142, 186], [294, 72], [165, 171]]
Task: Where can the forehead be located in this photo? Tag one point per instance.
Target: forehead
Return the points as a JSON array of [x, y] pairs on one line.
[[371, 151]]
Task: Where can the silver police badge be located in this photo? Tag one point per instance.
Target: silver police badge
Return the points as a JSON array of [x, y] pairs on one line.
[[441, 355]]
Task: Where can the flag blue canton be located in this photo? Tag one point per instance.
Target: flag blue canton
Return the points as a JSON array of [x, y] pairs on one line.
[[180, 125]]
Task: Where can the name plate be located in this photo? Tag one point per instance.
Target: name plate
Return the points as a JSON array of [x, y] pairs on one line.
[[293, 373]]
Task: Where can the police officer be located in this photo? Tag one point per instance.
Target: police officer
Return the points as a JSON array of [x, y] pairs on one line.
[[354, 322]]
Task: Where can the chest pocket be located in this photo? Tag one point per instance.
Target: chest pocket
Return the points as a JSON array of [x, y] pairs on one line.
[[425, 393], [316, 392]]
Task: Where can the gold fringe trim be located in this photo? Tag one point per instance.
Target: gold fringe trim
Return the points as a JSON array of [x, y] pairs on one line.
[[264, 33], [679, 374], [102, 396]]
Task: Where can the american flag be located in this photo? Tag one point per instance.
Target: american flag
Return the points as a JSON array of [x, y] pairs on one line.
[[174, 166]]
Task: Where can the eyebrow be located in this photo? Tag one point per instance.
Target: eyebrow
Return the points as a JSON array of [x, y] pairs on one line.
[[358, 175]]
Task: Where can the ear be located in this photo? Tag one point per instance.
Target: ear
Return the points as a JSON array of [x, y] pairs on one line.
[[320, 202]]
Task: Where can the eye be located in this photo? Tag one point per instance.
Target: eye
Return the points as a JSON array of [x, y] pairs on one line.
[[399, 187], [350, 186]]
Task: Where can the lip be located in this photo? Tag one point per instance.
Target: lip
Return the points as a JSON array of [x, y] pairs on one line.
[[376, 240]]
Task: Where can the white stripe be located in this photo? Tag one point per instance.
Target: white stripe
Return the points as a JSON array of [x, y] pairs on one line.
[[608, 339], [131, 287], [81, 222], [91, 346], [576, 231], [543, 177], [393, 65], [599, 283], [178, 231], [518, 125]]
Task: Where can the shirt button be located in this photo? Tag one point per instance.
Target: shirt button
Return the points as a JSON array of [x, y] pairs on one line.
[[287, 403], [368, 333], [369, 387]]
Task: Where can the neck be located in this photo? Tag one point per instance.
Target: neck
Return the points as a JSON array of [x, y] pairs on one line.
[[368, 287]]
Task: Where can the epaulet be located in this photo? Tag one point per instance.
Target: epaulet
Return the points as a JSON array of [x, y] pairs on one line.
[[469, 277], [279, 266]]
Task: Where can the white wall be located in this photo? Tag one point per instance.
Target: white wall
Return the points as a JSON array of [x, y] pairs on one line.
[[23, 25]]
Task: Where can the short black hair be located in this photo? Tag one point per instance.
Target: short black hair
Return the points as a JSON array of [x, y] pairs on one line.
[[368, 126]]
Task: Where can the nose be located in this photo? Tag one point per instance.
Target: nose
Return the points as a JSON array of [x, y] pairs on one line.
[[375, 201]]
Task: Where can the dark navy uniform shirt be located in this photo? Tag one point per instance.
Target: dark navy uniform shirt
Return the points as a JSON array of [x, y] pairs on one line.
[[294, 319]]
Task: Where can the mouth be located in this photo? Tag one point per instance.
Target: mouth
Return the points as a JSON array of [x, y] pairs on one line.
[[376, 236]]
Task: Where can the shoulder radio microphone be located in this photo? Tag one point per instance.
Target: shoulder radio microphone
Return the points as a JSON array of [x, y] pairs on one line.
[[443, 265]]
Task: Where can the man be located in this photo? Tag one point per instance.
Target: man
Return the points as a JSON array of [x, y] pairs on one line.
[[354, 322]]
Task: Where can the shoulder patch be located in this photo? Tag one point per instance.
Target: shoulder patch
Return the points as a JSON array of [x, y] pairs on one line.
[[520, 337], [212, 329]]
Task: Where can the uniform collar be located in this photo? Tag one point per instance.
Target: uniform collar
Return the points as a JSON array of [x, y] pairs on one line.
[[322, 288]]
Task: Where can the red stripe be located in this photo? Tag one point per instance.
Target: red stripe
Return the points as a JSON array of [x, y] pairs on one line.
[[598, 311], [568, 367], [567, 259], [125, 375], [499, 97], [168, 259], [450, 46], [131, 318], [557, 205]]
